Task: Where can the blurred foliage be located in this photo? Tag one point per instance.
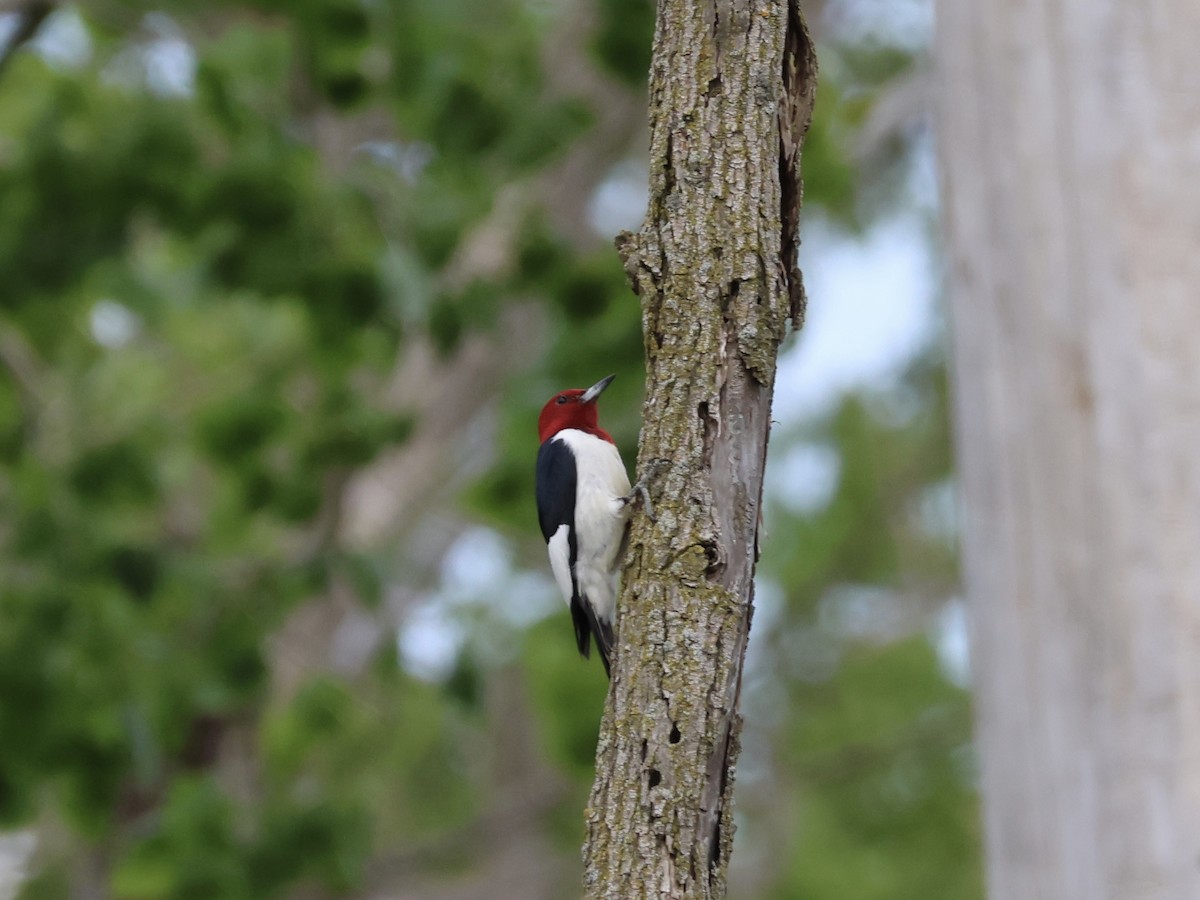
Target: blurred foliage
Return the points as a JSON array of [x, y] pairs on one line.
[[205, 302]]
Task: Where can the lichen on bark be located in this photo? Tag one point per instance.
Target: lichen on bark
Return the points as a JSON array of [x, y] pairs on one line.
[[731, 93]]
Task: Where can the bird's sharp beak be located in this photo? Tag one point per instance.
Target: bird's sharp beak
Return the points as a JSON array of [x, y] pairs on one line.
[[596, 389]]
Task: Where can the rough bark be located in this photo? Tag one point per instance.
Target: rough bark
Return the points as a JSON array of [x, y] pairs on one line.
[[1070, 136], [731, 94]]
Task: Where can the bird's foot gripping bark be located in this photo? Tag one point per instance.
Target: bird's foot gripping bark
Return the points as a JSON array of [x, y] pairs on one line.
[[639, 490]]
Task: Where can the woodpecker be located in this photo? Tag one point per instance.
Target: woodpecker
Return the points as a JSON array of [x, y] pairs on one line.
[[583, 500]]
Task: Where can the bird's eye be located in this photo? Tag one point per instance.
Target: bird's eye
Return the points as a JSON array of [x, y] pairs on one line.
[[562, 400]]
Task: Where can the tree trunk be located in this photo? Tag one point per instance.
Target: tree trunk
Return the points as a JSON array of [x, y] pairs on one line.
[[1070, 137], [731, 94]]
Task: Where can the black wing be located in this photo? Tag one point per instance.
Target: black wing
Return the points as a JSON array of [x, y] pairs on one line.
[[556, 507], [556, 490]]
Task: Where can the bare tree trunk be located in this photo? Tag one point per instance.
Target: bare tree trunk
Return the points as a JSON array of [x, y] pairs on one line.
[[731, 95], [1070, 137]]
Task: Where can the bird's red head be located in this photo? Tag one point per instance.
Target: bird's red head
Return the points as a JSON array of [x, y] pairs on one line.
[[574, 409]]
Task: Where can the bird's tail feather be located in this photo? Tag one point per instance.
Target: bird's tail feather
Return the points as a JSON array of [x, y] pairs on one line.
[[588, 625]]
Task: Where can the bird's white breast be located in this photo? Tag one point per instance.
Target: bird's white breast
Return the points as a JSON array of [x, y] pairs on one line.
[[600, 516]]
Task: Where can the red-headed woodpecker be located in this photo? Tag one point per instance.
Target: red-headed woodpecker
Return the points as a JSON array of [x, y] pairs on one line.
[[583, 502]]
